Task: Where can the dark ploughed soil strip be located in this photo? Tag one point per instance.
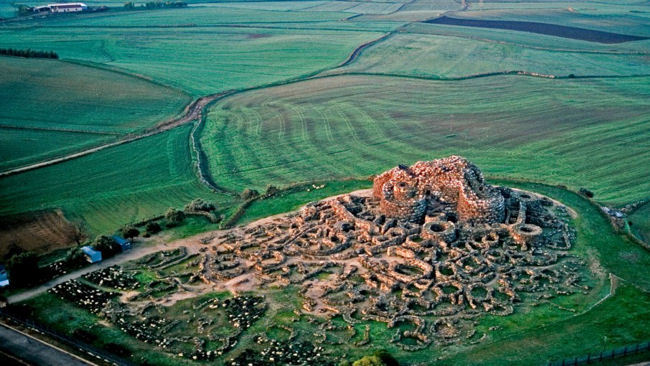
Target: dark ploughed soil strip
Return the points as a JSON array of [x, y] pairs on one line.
[[541, 28]]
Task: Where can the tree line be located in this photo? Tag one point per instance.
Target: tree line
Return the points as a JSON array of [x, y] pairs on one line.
[[155, 5], [28, 53]]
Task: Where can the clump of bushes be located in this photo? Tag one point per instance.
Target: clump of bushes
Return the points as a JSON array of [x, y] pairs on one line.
[[152, 228], [155, 5], [174, 217], [379, 358], [587, 193], [28, 53], [129, 232], [74, 258], [271, 190], [107, 246], [200, 204], [249, 193], [23, 269]]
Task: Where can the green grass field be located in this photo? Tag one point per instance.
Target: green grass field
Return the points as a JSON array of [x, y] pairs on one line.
[[512, 126], [152, 175], [200, 58], [640, 222], [453, 57], [49, 108], [613, 17]]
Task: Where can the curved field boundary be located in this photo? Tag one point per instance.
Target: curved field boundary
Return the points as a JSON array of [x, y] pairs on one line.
[[200, 158], [490, 74], [124, 72], [194, 110], [357, 51]]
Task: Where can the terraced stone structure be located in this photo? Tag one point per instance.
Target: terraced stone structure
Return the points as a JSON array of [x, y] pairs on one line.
[[409, 192]]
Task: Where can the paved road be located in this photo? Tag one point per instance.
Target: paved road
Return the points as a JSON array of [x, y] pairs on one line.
[[32, 351]]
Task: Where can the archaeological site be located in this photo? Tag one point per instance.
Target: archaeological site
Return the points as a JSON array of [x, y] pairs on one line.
[[429, 249]]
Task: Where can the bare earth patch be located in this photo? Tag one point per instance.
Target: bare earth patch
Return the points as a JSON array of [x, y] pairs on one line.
[[40, 232]]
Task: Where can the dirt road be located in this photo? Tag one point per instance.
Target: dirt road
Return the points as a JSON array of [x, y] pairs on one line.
[[192, 112], [138, 251]]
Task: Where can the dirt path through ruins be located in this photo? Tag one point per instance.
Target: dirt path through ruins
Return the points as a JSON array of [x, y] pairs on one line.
[[193, 244]]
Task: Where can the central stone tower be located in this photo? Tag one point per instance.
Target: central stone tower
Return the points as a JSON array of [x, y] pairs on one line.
[[409, 192]]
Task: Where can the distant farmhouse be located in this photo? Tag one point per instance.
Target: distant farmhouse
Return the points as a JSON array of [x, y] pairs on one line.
[[61, 8]]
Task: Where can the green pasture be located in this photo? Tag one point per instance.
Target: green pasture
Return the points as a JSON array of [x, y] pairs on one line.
[[616, 18], [23, 146], [293, 200], [112, 187], [640, 222], [6, 9], [452, 57], [198, 60], [529, 40], [582, 133], [49, 108]]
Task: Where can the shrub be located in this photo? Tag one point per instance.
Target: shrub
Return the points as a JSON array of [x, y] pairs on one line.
[[200, 205], [271, 190], [118, 349], [587, 193], [152, 228], [107, 246], [369, 361], [23, 269], [84, 335], [130, 232], [249, 193], [74, 258], [379, 358], [174, 217]]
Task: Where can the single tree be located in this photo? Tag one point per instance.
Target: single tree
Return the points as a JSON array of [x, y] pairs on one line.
[[249, 193], [152, 227], [23, 269], [107, 246], [174, 217], [130, 232]]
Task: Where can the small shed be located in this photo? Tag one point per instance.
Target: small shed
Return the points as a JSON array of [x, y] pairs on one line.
[[4, 277], [125, 244], [92, 255]]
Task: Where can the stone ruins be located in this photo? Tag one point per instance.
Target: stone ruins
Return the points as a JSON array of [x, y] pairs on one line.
[[431, 241], [429, 249]]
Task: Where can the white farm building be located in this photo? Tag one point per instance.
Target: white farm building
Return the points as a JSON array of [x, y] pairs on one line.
[[61, 8]]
